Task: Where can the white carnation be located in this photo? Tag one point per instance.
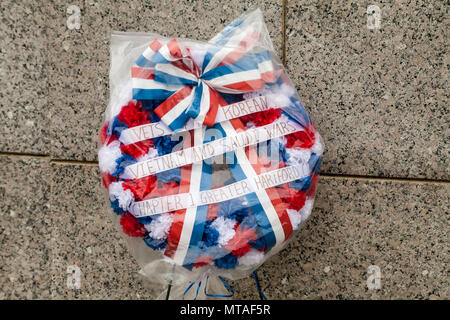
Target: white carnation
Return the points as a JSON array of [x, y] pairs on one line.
[[297, 156], [317, 147], [280, 95], [307, 209], [253, 257], [278, 100], [295, 218], [159, 228], [152, 153], [125, 197], [225, 227], [107, 156], [287, 90]]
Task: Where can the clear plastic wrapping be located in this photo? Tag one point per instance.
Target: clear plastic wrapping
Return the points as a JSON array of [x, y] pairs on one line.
[[208, 156]]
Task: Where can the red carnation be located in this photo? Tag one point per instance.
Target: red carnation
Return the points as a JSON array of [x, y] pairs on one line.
[[141, 187], [301, 139], [238, 245], [294, 198], [104, 133], [107, 179], [132, 116], [242, 251], [137, 149], [131, 226], [297, 201], [312, 190], [262, 118], [285, 192]]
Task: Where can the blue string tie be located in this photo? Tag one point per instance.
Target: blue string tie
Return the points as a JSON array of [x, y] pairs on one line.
[[230, 290]]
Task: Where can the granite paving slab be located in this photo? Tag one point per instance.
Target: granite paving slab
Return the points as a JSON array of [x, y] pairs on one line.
[[25, 228], [360, 227], [23, 97], [378, 96], [86, 241]]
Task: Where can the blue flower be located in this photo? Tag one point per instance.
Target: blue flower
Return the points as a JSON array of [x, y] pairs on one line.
[[301, 184], [117, 209], [151, 105], [165, 144], [227, 262], [210, 235], [283, 154], [315, 162], [260, 242], [145, 220], [155, 244], [122, 162], [249, 222], [239, 214], [233, 209], [116, 127]]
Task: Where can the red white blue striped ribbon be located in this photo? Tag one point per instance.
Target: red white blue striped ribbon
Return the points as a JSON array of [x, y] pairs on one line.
[[167, 71]]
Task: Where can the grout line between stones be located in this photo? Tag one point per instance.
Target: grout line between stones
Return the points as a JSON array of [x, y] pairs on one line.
[[322, 175], [73, 162], [23, 155], [382, 179]]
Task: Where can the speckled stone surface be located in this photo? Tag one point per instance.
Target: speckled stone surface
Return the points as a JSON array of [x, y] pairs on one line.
[[400, 227], [84, 236], [79, 59], [25, 227], [378, 97], [23, 94]]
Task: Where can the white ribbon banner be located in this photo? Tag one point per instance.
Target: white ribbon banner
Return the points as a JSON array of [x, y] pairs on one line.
[[189, 200], [279, 128], [228, 112]]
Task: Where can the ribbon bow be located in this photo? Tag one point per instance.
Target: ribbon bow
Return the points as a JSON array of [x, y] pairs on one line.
[[170, 73]]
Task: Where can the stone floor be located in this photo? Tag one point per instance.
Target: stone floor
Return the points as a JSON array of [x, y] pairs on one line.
[[379, 98]]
